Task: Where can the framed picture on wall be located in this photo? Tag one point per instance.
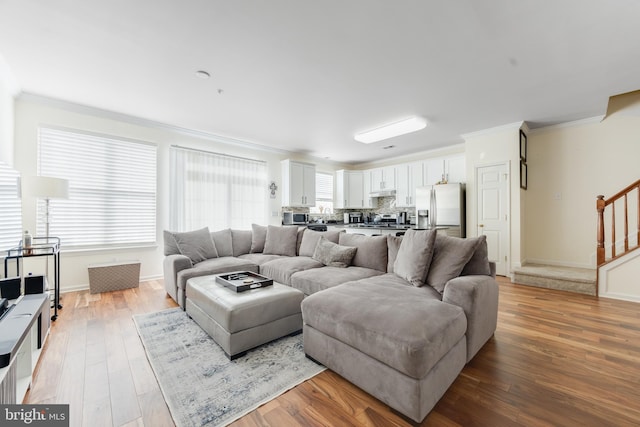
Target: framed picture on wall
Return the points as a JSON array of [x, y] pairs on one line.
[[523, 146], [523, 174]]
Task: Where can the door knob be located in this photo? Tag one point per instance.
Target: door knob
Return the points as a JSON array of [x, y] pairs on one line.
[[480, 225]]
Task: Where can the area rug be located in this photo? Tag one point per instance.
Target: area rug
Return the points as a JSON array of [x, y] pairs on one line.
[[199, 383]]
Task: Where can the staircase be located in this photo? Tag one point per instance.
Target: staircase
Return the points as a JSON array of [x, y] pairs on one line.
[[581, 280]]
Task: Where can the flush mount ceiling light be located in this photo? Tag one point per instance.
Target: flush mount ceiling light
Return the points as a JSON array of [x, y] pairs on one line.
[[202, 74], [409, 125]]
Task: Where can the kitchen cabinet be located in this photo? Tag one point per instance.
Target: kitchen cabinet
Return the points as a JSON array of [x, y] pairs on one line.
[[366, 180], [383, 179], [298, 184], [408, 177], [350, 190], [451, 168]]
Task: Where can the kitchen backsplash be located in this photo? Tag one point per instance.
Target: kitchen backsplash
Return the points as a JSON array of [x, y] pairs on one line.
[[386, 205]]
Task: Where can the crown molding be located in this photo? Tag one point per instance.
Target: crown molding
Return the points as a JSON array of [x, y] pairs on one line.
[[490, 131], [581, 122], [139, 121]]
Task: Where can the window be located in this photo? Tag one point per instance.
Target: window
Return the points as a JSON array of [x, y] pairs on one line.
[[324, 193], [112, 189], [216, 191], [10, 209]]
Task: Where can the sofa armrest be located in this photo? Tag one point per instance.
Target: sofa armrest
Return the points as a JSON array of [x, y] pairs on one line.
[[478, 297], [171, 265]]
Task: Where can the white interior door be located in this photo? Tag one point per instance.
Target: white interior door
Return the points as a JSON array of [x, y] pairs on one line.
[[492, 183]]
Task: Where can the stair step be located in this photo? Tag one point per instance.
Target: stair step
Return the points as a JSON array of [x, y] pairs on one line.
[[580, 280]]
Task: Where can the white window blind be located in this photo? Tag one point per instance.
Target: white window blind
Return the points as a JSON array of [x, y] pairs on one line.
[[324, 193], [112, 189], [216, 191], [10, 209]]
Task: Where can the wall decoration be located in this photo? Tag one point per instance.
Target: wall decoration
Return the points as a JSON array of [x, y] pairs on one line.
[[273, 187], [523, 175], [523, 146]]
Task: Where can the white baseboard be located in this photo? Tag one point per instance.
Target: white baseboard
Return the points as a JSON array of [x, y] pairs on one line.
[[558, 263]]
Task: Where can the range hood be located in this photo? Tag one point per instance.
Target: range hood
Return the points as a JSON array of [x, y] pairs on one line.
[[383, 193]]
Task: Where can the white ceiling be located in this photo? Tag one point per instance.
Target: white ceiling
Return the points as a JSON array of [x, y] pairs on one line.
[[304, 75]]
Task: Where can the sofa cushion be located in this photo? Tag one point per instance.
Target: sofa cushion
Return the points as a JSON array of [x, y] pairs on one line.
[[394, 281], [281, 269], [317, 279], [197, 245], [449, 258], [479, 262], [259, 259], [241, 241], [281, 240], [332, 254], [299, 239], [393, 245], [215, 266], [371, 253], [414, 256], [170, 247], [310, 240], [399, 327], [223, 241], [258, 238]]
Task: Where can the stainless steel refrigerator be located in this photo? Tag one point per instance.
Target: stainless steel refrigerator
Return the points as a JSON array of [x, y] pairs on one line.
[[442, 205]]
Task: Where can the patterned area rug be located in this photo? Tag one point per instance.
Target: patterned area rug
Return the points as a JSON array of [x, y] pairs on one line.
[[201, 386]]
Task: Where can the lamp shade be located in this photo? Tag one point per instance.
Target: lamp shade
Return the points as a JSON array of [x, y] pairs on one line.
[[45, 187]]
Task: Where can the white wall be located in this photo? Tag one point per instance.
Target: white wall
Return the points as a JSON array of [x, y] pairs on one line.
[[492, 146], [31, 112], [569, 166], [8, 90]]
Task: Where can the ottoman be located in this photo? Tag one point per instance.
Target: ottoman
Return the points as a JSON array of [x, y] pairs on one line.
[[240, 321]]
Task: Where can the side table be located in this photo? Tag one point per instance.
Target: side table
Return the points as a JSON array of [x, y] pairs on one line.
[[41, 247]]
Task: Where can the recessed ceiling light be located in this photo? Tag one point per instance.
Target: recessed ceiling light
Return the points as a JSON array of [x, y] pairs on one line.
[[402, 127], [202, 74]]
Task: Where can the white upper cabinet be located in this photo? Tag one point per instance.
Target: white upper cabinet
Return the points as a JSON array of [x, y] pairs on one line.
[[456, 168], [350, 190], [450, 169], [408, 177], [298, 184], [383, 179]]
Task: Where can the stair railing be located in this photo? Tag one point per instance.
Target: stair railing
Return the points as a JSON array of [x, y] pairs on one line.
[[601, 206]]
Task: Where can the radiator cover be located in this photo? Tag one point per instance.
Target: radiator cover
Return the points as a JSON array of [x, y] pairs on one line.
[[114, 276]]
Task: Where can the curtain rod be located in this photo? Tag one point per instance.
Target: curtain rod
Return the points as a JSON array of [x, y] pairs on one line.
[[217, 154]]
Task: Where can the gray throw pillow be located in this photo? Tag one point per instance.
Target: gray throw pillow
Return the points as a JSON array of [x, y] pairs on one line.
[[393, 243], [223, 242], [310, 240], [372, 250], [170, 247], [281, 240], [414, 256], [333, 255], [479, 262], [197, 245], [241, 241], [258, 237], [449, 258]]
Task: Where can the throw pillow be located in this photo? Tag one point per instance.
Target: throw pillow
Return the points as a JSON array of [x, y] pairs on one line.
[[393, 243], [333, 255], [372, 250], [281, 240], [241, 241], [170, 247], [449, 258], [258, 237], [197, 245], [414, 256], [223, 242], [479, 262], [310, 240]]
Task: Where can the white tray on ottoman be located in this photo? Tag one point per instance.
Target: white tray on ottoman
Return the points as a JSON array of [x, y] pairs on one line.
[[240, 321]]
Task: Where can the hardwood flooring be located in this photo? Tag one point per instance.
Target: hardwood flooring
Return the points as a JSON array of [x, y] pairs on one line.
[[556, 359]]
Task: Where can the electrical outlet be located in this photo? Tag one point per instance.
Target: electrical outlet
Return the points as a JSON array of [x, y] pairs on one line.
[[275, 214]]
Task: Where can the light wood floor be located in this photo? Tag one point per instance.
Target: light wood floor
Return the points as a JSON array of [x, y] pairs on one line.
[[557, 359]]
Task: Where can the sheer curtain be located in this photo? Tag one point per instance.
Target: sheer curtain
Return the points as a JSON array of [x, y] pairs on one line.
[[216, 190]]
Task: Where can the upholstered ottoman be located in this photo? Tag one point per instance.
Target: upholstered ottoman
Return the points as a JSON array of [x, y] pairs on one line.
[[396, 342], [243, 320]]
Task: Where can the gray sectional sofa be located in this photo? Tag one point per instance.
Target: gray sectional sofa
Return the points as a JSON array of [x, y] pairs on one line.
[[398, 317]]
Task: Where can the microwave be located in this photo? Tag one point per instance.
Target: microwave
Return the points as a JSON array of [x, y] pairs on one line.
[[292, 218]]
